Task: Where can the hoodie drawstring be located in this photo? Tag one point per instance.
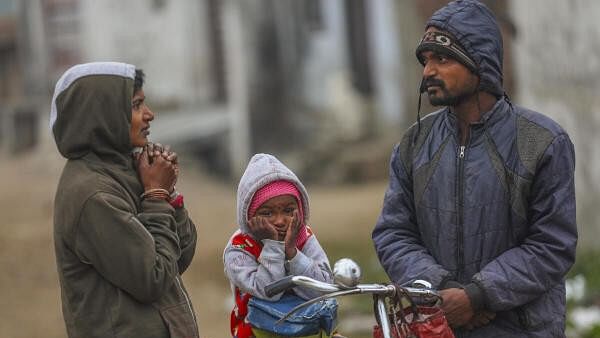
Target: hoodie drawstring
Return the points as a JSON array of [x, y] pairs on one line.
[[421, 90], [508, 100]]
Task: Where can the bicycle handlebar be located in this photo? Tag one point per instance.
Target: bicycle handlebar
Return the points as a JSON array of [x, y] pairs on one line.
[[289, 282], [279, 286], [346, 276], [380, 291], [419, 295]]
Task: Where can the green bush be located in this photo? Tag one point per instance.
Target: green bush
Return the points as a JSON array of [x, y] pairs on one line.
[[594, 332], [587, 264]]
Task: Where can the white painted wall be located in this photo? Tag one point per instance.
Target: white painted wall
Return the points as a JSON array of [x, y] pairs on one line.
[[168, 42], [326, 58], [387, 62]]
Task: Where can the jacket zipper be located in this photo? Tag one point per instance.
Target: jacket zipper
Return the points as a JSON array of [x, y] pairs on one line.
[[187, 301], [459, 234]]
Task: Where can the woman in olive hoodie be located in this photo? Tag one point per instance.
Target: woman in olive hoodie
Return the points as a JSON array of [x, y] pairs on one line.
[[122, 236]]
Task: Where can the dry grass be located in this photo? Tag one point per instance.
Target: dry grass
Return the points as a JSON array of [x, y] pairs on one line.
[[30, 293]]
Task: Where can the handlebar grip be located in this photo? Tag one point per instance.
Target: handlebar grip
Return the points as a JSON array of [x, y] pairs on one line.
[[279, 286]]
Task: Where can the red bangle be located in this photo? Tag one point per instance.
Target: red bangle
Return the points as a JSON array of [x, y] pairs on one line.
[[177, 202]]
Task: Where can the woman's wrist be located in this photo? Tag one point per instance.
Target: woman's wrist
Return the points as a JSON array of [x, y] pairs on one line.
[[155, 193]]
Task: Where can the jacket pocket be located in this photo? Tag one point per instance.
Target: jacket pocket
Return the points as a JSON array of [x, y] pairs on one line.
[[179, 321]]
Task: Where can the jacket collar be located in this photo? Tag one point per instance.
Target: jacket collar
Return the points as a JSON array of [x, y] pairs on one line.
[[487, 118]]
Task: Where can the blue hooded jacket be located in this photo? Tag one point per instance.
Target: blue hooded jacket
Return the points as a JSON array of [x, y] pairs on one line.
[[496, 216]]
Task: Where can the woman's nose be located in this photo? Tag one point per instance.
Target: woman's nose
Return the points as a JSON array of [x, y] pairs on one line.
[[148, 114]]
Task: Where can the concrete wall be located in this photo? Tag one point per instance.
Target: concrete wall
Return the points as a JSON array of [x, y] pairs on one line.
[[168, 39], [557, 50]]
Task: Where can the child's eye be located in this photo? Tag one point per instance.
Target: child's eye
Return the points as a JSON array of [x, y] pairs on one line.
[[289, 210], [442, 58], [264, 213]]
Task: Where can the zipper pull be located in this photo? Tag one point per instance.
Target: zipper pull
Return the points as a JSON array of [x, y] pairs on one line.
[[462, 152]]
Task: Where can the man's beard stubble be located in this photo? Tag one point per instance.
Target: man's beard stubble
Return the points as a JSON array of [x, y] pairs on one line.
[[447, 99]]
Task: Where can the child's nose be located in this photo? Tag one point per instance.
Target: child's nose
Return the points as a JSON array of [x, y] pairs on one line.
[[280, 219]]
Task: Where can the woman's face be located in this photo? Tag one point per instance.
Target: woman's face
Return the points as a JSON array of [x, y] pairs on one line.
[[141, 115]]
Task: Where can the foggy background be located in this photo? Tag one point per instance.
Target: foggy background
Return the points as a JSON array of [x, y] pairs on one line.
[[328, 86]]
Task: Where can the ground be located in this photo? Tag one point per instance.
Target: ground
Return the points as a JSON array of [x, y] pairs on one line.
[[342, 217]]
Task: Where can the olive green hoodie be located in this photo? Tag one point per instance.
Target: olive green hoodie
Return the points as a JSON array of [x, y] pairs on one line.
[[119, 258]]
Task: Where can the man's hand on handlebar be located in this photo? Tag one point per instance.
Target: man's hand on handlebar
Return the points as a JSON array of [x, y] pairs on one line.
[[456, 306]]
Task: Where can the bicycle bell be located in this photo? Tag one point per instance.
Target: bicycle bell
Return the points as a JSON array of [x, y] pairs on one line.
[[346, 273], [421, 284]]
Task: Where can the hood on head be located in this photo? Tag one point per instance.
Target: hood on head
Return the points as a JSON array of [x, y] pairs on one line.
[[475, 28], [91, 109], [262, 170]]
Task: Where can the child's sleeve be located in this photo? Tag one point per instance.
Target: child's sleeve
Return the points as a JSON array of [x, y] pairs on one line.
[[311, 262], [251, 276]]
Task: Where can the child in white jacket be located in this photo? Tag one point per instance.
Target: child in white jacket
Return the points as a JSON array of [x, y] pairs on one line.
[[274, 239]]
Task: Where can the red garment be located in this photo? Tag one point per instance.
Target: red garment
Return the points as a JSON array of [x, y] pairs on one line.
[[177, 202]]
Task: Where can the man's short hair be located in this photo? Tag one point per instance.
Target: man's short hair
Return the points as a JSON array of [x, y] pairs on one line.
[[138, 82]]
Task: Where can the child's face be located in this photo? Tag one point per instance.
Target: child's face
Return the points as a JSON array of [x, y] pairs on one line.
[[279, 212]]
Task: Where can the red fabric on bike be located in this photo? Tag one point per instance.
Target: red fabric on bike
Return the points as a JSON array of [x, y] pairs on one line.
[[238, 326], [432, 325], [378, 334]]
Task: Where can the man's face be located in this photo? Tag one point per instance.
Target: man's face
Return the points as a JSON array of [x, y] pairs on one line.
[[141, 115], [447, 81]]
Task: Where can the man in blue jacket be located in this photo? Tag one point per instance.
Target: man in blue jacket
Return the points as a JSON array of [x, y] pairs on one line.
[[481, 197]]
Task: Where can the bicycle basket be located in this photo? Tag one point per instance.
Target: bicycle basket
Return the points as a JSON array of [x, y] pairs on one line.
[[310, 320]]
